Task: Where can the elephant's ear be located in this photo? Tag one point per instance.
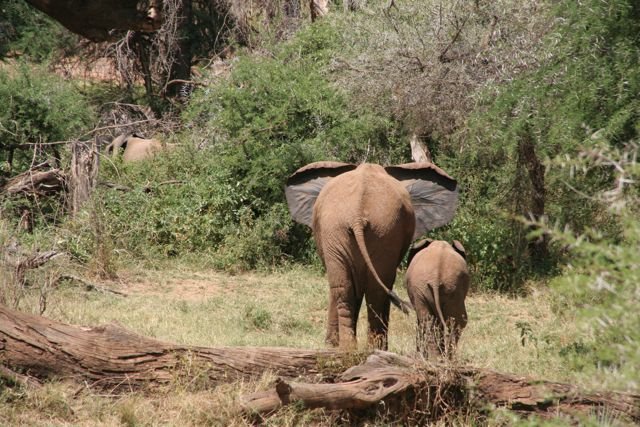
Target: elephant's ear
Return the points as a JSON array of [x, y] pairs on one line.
[[303, 187], [434, 194], [417, 247], [457, 246]]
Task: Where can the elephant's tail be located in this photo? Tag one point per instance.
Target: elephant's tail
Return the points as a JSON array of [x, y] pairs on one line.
[[436, 298], [358, 232]]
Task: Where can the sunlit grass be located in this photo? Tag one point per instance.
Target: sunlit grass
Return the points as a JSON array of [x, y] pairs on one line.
[[515, 335]]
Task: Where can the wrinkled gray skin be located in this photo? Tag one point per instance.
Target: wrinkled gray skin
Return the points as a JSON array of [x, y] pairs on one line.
[[364, 219], [437, 283], [135, 148]]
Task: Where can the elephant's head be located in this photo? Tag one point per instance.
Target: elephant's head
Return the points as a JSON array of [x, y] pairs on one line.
[[434, 194]]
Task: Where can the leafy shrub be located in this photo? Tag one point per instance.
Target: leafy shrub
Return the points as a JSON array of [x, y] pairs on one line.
[[603, 282], [269, 117], [421, 62], [257, 318], [585, 91], [39, 107], [25, 30]]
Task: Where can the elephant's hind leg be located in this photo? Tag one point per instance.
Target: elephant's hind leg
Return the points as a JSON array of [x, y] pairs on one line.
[[378, 306], [344, 305]]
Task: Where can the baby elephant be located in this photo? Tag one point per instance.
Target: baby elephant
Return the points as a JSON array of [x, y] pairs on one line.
[[437, 282]]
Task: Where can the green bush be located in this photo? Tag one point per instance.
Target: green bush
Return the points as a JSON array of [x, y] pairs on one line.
[[39, 107], [602, 285], [27, 31], [268, 118], [586, 91]]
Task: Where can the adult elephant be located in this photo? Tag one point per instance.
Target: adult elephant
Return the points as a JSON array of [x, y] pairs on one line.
[[135, 148], [364, 218]]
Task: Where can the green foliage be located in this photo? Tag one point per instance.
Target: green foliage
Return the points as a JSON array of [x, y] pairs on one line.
[[603, 281], [26, 31], [268, 118], [257, 318], [585, 92], [39, 107]]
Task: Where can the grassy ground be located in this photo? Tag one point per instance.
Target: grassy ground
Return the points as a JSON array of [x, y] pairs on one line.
[[518, 335]]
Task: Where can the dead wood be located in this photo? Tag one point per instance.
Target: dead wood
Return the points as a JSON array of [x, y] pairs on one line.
[[394, 382], [111, 357], [115, 186], [15, 379], [84, 173], [31, 262], [37, 181], [419, 151], [90, 286]]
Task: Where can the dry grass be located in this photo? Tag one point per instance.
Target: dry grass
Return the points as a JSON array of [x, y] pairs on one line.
[[283, 309], [424, 61]]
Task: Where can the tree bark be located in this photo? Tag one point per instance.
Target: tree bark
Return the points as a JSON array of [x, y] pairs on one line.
[[318, 8], [396, 383], [538, 248], [181, 67], [96, 20], [37, 181], [113, 358], [110, 357], [419, 151], [84, 173]]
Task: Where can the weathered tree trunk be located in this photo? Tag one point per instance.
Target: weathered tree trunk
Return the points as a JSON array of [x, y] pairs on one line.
[[84, 173], [116, 359], [394, 382], [181, 67], [319, 8], [419, 151], [292, 8], [37, 181], [95, 20], [538, 248]]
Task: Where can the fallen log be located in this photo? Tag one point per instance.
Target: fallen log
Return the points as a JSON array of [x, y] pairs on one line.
[[394, 382], [111, 357], [37, 182]]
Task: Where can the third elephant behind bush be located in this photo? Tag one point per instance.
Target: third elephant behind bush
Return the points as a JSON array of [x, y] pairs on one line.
[[135, 147], [437, 281]]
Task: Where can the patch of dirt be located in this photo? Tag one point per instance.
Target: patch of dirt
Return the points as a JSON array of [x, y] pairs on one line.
[[195, 286]]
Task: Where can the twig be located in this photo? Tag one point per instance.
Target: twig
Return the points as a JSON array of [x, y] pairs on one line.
[[441, 57], [94, 130], [19, 379], [391, 4], [149, 188], [115, 186], [89, 286]]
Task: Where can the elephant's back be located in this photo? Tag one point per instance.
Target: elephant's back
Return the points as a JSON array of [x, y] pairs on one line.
[[368, 199], [366, 194], [140, 148], [438, 264]]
